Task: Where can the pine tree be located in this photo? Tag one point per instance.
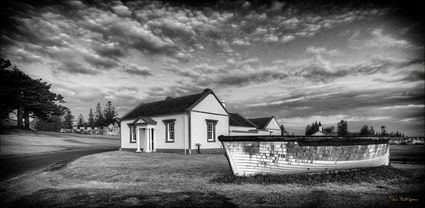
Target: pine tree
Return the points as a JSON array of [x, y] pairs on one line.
[[364, 131], [282, 130], [80, 121], [329, 129], [91, 119], [29, 96], [383, 131], [68, 119], [53, 123], [342, 128], [109, 113], [99, 119], [308, 130], [371, 131]]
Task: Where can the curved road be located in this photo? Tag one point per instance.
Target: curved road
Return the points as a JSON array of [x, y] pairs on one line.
[[16, 165]]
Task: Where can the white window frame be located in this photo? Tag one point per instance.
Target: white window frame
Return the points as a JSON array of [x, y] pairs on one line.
[[211, 133], [170, 130], [133, 134]]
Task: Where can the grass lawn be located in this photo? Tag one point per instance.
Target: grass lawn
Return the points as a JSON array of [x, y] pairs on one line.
[[123, 178], [19, 142], [408, 152]]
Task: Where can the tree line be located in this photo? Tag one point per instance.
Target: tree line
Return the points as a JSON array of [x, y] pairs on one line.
[[342, 130], [314, 127], [33, 98], [99, 118]]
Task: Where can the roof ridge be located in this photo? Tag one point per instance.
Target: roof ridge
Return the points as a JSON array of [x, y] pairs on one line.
[[262, 117], [165, 106]]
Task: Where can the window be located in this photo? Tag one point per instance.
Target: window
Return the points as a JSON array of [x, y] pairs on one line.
[[211, 130], [169, 130], [132, 134]]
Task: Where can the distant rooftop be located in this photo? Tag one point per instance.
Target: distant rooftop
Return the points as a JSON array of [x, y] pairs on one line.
[[238, 120]]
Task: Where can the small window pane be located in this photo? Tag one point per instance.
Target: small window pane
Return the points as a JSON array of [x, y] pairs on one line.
[[133, 134], [170, 132], [210, 131]]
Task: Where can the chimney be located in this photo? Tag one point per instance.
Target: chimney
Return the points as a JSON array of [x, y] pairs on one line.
[[320, 128], [223, 103]]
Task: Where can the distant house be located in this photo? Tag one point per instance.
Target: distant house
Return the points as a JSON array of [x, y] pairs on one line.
[[266, 125], [112, 129], [320, 132], [176, 124]]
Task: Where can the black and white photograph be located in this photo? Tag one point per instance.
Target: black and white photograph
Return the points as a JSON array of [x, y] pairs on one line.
[[212, 103]]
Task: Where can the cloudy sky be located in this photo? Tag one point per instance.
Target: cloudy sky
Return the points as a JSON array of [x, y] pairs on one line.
[[301, 62]]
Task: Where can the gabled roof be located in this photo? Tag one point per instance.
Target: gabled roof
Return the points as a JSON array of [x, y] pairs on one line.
[[168, 106], [144, 120], [261, 123], [238, 120], [319, 133]]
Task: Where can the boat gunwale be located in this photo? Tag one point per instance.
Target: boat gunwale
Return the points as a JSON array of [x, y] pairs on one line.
[[310, 140]]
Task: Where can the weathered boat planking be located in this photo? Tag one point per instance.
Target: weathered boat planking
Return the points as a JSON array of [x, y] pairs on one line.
[[249, 155]]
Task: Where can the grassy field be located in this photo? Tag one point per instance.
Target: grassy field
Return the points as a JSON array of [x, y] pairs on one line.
[[18, 142], [408, 152], [174, 180]]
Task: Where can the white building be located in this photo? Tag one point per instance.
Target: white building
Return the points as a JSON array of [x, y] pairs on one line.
[[320, 132], [238, 125], [266, 125], [176, 124]]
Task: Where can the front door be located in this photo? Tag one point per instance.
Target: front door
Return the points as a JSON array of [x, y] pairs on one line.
[[142, 139], [147, 142]]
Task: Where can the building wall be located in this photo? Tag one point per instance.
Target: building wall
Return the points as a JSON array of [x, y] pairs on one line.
[[125, 135], [210, 104], [265, 133], [273, 127], [242, 130], [199, 129], [180, 134]]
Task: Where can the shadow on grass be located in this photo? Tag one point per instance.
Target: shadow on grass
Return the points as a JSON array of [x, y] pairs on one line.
[[344, 177], [107, 198]]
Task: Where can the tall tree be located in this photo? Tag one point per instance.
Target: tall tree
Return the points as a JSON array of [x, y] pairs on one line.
[[29, 96], [364, 131], [109, 113], [282, 130], [53, 123], [80, 121], [68, 119], [308, 130], [329, 129], [383, 131], [91, 119], [371, 131], [98, 116], [342, 128]]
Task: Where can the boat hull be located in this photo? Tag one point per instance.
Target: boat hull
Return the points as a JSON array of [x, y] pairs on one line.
[[291, 157]]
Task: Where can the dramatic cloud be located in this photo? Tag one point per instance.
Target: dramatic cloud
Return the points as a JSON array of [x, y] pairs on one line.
[[134, 69], [299, 61]]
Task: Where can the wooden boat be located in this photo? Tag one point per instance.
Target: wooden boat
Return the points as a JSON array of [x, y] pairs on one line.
[[250, 155]]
